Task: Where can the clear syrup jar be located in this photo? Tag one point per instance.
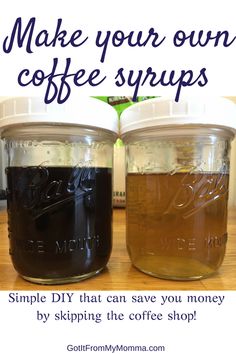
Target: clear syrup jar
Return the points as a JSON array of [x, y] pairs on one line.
[[177, 185]]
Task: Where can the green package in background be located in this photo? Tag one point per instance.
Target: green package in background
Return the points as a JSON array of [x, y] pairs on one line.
[[120, 103]]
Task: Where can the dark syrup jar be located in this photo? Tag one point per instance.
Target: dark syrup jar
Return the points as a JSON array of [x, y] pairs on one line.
[[177, 182], [59, 187]]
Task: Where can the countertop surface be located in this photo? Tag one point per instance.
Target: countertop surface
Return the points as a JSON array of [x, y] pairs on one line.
[[120, 274]]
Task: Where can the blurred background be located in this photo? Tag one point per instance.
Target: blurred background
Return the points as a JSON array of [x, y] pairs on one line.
[[232, 181]]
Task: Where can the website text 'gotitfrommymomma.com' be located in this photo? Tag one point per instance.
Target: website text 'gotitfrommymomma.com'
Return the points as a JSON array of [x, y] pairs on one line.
[[115, 348]]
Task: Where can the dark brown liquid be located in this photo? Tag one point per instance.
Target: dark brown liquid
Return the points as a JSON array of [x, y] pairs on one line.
[[177, 224], [59, 220]]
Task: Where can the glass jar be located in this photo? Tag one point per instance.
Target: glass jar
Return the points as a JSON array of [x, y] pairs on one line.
[[59, 187], [177, 185]]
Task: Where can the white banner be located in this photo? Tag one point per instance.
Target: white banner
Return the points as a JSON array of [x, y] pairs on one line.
[[171, 322], [129, 48]]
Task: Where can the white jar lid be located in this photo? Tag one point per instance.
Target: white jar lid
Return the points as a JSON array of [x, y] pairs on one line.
[[82, 111], [164, 112]]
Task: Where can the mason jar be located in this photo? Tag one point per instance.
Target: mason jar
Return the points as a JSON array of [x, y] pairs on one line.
[[177, 185], [59, 186]]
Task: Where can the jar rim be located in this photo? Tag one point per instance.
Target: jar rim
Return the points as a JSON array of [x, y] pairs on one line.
[[64, 132], [78, 111], [165, 112]]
